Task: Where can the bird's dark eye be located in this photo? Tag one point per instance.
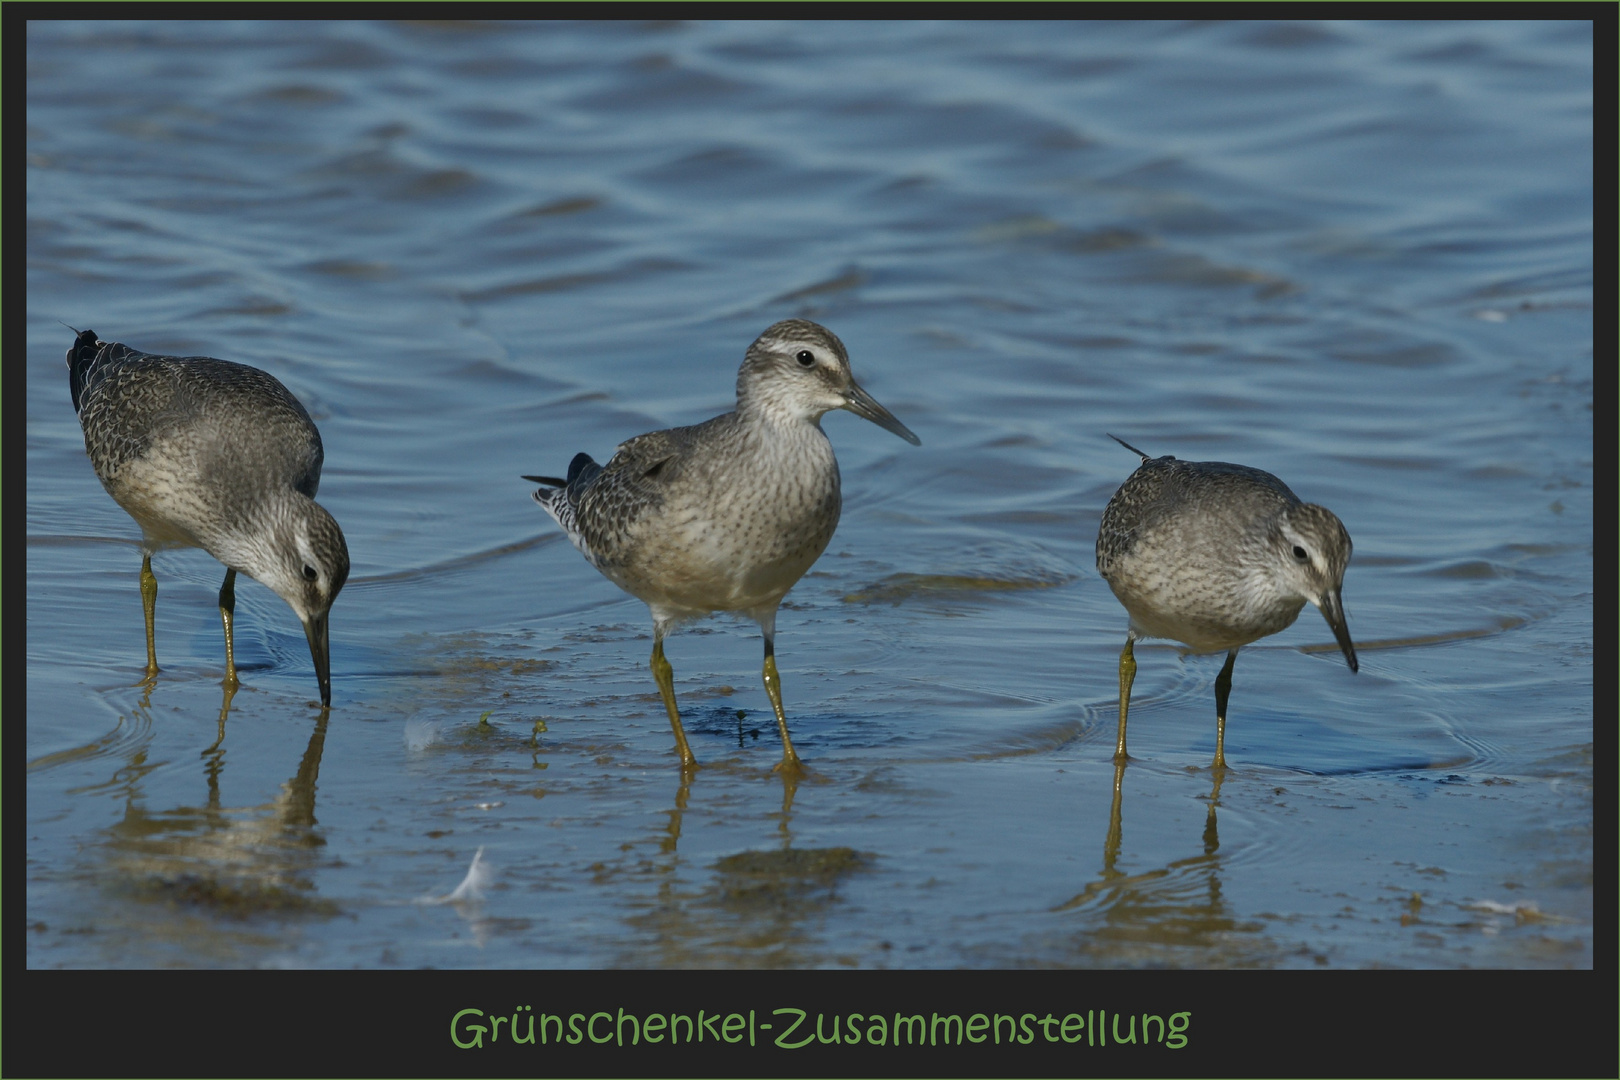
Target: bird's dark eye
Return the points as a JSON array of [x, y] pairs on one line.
[[1300, 553], [806, 358], [310, 573]]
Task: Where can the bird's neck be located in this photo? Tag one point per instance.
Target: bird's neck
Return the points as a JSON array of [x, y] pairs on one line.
[[253, 539], [778, 414]]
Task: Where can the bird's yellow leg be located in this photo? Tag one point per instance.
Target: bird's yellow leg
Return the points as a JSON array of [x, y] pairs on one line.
[[227, 611], [149, 603], [1127, 676], [1223, 691], [773, 686], [664, 675], [1116, 828], [224, 714]]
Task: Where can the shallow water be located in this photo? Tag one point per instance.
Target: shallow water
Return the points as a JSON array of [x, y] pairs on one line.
[[1356, 255]]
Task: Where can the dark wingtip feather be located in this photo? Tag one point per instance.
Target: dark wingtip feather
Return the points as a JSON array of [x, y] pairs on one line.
[[80, 359], [582, 470], [1129, 447]]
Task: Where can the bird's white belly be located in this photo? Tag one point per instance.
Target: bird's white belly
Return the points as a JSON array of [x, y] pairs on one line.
[[697, 564], [1207, 614]]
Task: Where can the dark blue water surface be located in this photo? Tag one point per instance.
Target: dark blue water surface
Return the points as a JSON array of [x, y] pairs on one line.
[[1356, 255]]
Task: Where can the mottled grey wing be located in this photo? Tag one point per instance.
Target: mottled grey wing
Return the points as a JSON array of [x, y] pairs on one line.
[[653, 459], [1208, 477], [268, 428], [1141, 499], [638, 479], [131, 400]]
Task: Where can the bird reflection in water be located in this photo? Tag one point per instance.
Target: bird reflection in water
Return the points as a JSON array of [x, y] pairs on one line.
[[1178, 901], [239, 860], [683, 792]]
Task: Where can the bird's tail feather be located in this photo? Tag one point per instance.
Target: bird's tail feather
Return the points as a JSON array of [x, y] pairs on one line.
[[581, 471], [81, 360]]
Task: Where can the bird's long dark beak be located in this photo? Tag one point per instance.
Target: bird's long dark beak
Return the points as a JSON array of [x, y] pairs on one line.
[[315, 629], [1333, 611], [861, 403]]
